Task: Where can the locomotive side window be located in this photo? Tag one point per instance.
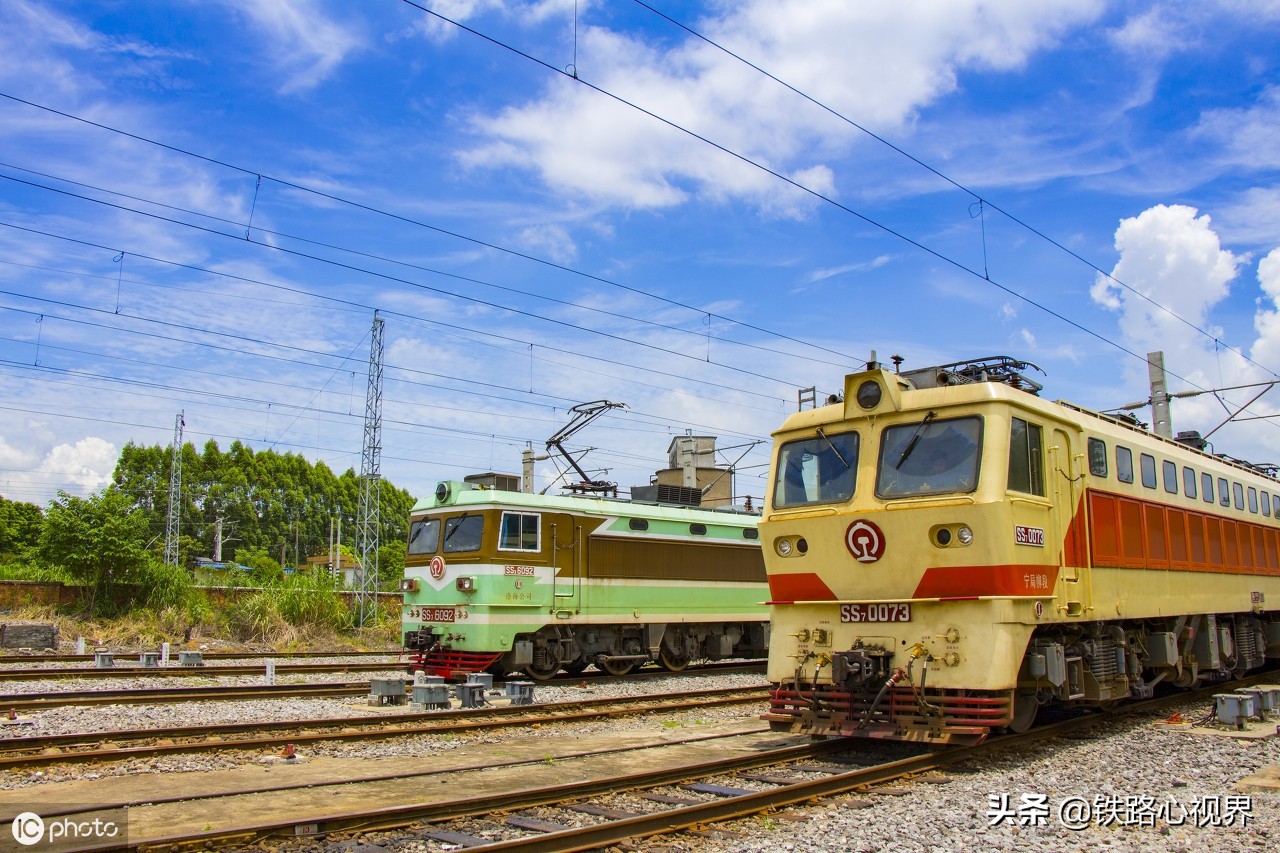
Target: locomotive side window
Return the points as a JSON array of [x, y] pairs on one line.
[[1206, 487], [929, 457], [1238, 491], [1189, 482], [1224, 495], [817, 470], [1097, 457], [1148, 465], [463, 533], [1275, 505], [424, 536], [1026, 461], [1253, 500], [1124, 464], [750, 533], [1170, 472], [1266, 504], [519, 532]]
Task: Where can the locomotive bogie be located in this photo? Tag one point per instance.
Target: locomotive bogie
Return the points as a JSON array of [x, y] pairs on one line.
[[946, 556]]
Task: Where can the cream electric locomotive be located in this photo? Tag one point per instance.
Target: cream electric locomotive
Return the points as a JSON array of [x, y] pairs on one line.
[[947, 552]]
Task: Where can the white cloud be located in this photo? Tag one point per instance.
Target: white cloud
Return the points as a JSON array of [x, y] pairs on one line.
[[551, 240], [1170, 258], [1247, 136], [305, 44], [876, 61]]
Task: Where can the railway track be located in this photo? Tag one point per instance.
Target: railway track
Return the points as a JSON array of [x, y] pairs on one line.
[[173, 671], [47, 750], [561, 802], [15, 703], [89, 657]]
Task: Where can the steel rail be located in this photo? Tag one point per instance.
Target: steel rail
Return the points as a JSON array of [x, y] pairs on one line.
[[36, 701], [179, 671], [89, 657], [360, 728]]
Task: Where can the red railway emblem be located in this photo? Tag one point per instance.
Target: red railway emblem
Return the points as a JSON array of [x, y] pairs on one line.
[[865, 541], [437, 567]]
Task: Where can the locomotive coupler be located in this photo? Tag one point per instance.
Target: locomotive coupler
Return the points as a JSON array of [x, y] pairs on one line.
[[860, 667]]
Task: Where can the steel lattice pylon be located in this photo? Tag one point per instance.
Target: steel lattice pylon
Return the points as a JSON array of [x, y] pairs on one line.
[[175, 493], [369, 521]]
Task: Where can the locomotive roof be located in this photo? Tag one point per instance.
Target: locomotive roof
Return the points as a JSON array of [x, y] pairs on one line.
[[464, 496], [1003, 378]]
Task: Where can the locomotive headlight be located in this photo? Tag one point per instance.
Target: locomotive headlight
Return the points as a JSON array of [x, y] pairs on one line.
[[783, 547], [869, 394], [466, 584], [965, 535], [408, 584]]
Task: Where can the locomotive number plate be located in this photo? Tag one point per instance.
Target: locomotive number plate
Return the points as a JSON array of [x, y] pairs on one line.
[[432, 614], [900, 612]]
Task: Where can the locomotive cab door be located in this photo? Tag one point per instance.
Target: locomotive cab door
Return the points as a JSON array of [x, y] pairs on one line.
[[566, 565], [1066, 470]]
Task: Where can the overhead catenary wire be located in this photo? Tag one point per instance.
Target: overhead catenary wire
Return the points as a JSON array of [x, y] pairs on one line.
[[826, 199], [405, 281], [982, 201], [417, 223]]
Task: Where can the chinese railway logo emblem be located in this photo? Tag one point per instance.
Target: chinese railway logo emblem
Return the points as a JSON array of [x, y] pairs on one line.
[[437, 567], [865, 541]]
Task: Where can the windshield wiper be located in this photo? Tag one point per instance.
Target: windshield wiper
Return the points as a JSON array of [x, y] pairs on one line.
[[834, 449], [456, 527], [915, 439]]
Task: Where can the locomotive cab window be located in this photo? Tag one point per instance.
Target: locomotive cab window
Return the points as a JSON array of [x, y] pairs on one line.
[[1097, 457], [1026, 457], [424, 536], [519, 532], [818, 470], [463, 533], [1147, 463], [1124, 464], [929, 457]]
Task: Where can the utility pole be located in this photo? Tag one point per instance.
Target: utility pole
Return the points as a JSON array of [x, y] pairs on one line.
[[175, 493], [369, 520]]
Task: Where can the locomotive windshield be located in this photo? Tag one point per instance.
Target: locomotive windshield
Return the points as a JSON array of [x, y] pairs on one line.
[[816, 470], [463, 533], [424, 536], [929, 457]]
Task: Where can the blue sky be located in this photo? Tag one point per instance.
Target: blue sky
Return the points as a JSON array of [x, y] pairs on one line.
[[202, 204]]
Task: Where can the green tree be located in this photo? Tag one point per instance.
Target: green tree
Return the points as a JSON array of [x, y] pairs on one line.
[[20, 525], [99, 541]]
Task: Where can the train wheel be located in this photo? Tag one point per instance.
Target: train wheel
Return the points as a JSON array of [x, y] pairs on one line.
[[1025, 708], [542, 673], [577, 667], [618, 667], [672, 661]]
